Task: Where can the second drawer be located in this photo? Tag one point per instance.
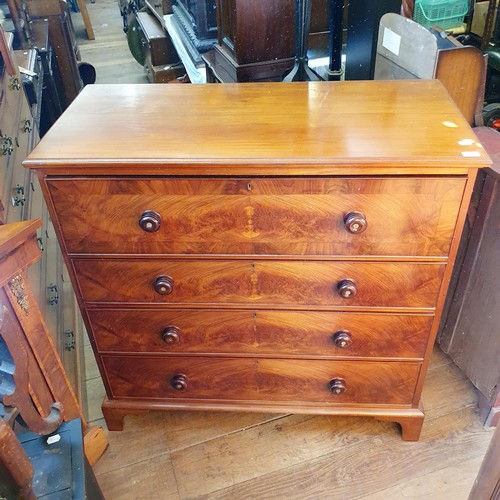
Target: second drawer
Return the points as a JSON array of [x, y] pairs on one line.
[[341, 284], [296, 333]]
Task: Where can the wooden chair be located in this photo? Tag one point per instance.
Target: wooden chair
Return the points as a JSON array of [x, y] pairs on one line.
[[407, 50]]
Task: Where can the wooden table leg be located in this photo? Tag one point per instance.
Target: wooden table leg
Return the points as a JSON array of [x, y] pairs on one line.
[[86, 19]]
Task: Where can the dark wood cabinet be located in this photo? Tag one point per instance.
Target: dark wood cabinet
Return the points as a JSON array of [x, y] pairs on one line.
[[295, 258], [471, 329], [256, 39]]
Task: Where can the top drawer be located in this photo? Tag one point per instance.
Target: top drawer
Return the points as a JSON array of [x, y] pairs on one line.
[[278, 216]]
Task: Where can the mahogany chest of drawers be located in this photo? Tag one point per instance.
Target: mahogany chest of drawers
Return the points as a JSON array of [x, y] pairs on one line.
[[261, 247]]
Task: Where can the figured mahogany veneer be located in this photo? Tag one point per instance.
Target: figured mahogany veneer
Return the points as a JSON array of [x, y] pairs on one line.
[[281, 381], [275, 247], [252, 332], [304, 216], [394, 285]]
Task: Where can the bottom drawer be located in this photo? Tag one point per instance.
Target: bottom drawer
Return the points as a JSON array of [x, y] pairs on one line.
[[244, 379]]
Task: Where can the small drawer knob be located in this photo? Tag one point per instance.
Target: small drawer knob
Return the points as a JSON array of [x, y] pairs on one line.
[[347, 288], [337, 386], [171, 335], [179, 382], [164, 285], [355, 222], [342, 339], [150, 221]]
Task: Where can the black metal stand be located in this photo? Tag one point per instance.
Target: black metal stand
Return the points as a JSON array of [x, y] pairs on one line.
[[335, 70], [301, 71]]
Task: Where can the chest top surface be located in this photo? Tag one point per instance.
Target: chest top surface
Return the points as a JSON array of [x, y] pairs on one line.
[[373, 123]]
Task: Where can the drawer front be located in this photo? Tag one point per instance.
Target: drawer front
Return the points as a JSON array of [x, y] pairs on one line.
[[261, 282], [247, 379], [281, 216], [291, 333]]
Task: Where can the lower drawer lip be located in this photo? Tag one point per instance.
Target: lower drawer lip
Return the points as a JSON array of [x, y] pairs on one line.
[[232, 355], [238, 305], [218, 404]]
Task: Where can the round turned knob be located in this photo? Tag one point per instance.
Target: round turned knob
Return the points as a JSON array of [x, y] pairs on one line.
[[179, 382], [355, 222], [337, 386], [171, 335], [342, 339], [347, 288], [163, 285], [150, 221]]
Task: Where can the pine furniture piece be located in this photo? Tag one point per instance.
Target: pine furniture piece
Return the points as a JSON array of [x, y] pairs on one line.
[[33, 382], [276, 247], [21, 199]]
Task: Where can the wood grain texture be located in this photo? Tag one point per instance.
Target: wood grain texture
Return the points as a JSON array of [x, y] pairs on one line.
[[265, 124], [261, 379], [260, 282], [275, 333], [256, 225], [282, 216], [367, 467], [271, 19]]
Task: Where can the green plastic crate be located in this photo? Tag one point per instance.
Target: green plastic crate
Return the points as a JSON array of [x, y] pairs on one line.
[[443, 13]]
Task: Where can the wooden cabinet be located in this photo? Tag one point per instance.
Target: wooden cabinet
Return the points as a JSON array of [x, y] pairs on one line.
[[255, 42], [470, 331], [294, 258], [158, 52], [21, 199]]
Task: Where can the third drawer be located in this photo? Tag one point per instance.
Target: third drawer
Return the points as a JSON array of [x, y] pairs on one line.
[[257, 332]]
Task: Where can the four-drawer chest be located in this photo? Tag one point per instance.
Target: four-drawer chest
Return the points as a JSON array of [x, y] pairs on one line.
[[261, 247]]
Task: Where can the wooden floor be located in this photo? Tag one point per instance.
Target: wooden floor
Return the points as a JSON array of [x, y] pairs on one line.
[[182, 455]]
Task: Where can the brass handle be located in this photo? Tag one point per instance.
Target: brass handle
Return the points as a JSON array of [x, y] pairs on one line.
[[346, 288], [338, 386], [342, 339], [26, 125], [150, 221], [164, 285], [171, 335], [7, 146], [179, 382], [355, 222]]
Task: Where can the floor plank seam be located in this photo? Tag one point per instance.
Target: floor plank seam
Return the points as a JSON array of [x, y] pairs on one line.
[[131, 464], [242, 429], [321, 457]]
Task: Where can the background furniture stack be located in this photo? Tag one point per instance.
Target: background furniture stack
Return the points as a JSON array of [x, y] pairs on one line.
[[21, 199]]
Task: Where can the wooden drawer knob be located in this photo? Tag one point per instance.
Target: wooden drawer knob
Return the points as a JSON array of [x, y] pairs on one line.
[[355, 222], [342, 339], [347, 288], [179, 382], [171, 335], [150, 221], [163, 285], [338, 386]]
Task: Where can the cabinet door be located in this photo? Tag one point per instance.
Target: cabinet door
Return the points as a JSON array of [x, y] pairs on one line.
[[16, 199], [52, 285], [36, 209]]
